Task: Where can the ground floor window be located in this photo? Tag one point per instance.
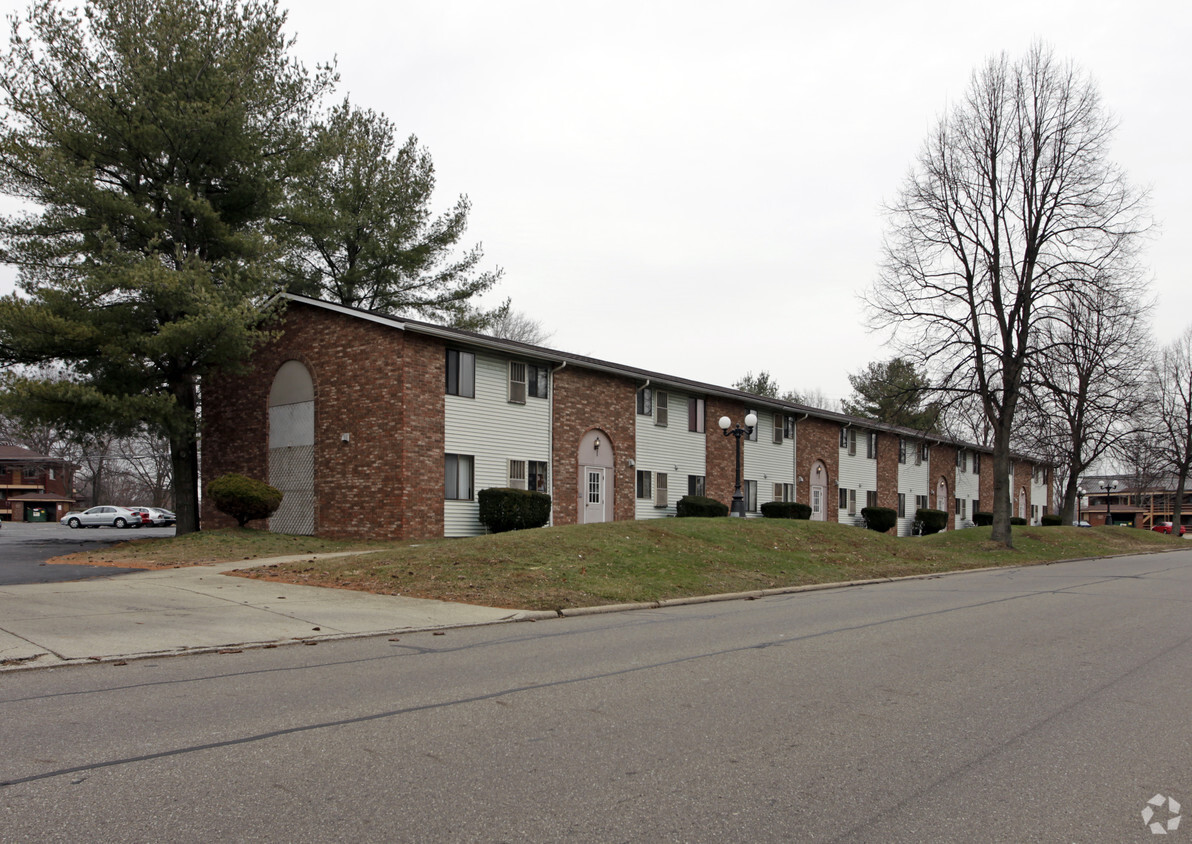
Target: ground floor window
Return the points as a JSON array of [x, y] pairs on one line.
[[536, 476], [458, 477], [644, 486]]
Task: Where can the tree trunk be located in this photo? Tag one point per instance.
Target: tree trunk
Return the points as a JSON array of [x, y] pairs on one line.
[[1177, 509], [1001, 490], [184, 457]]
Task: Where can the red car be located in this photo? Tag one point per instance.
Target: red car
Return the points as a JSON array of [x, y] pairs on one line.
[[1165, 527]]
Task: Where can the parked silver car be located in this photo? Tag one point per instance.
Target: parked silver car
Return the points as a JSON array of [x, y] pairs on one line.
[[105, 514]]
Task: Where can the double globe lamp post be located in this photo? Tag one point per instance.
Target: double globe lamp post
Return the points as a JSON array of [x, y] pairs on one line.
[[738, 508]]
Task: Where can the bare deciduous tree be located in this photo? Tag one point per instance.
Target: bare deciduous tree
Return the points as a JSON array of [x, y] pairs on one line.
[[1173, 386], [519, 326], [1085, 391], [1012, 209]]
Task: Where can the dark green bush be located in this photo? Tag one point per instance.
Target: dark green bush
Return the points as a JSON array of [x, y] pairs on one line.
[[880, 519], [933, 521], [1017, 520], [982, 519], [697, 506], [1052, 520], [243, 498], [786, 510], [502, 508]]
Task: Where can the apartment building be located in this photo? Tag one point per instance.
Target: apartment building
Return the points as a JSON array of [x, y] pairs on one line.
[[376, 426]]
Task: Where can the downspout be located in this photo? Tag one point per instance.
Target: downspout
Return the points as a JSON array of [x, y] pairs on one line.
[[795, 459], [550, 442]]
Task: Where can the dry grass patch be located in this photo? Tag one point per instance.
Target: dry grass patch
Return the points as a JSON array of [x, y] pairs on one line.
[[588, 565]]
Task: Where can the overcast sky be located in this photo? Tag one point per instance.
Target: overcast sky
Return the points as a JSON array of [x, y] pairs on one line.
[[696, 187]]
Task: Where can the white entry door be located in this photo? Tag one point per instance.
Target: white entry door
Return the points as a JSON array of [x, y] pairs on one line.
[[817, 503], [595, 494]]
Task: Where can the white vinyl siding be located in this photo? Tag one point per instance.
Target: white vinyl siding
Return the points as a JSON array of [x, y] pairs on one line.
[[1038, 494], [495, 432], [857, 472], [968, 490], [672, 450], [913, 481], [765, 461]]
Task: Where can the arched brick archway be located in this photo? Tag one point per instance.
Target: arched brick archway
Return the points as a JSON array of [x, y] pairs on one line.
[[594, 469]]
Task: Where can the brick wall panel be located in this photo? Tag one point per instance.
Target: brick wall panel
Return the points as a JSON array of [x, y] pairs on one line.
[[586, 401]]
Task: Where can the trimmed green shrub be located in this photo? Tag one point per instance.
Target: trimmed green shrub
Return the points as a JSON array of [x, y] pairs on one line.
[[1052, 520], [697, 506], [502, 508], [786, 510], [982, 519], [244, 498], [880, 519], [1017, 520], [933, 521]]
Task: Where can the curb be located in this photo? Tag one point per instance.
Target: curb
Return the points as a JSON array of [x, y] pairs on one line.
[[525, 615]]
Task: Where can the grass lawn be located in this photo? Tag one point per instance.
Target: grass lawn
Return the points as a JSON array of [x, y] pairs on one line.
[[588, 565]]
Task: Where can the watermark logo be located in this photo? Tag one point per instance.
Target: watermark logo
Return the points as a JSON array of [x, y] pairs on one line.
[[1154, 808]]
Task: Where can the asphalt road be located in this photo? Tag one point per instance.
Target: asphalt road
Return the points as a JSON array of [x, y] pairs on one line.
[[24, 548], [1039, 704]]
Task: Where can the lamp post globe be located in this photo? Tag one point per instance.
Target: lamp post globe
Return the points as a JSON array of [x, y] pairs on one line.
[[738, 507]]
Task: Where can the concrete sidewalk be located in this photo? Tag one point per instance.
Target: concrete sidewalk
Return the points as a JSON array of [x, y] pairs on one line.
[[197, 609]]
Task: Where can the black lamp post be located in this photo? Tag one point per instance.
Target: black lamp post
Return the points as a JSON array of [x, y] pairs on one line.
[[738, 508], [1108, 487]]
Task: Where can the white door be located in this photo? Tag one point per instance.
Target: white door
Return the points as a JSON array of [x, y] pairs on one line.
[[595, 494], [817, 503]]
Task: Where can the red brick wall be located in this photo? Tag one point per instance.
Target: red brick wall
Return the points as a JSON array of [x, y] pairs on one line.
[[818, 439], [942, 462], [1022, 480], [584, 401], [887, 472], [356, 366], [720, 456], [422, 437], [985, 486]]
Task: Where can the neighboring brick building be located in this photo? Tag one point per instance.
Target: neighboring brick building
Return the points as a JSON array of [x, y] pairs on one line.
[[34, 487], [375, 426]]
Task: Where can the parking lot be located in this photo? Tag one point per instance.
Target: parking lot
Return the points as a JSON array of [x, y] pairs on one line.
[[25, 546]]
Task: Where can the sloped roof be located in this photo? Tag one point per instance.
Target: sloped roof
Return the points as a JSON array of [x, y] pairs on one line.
[[20, 454], [556, 356]]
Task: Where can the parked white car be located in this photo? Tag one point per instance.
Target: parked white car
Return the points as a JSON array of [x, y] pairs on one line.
[[104, 515], [159, 516]]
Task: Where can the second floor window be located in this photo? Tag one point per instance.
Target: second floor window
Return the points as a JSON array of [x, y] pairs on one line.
[[461, 373], [645, 402]]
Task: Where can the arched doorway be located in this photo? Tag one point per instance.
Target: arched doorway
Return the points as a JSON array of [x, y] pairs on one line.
[[292, 448], [819, 492], [595, 478]]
